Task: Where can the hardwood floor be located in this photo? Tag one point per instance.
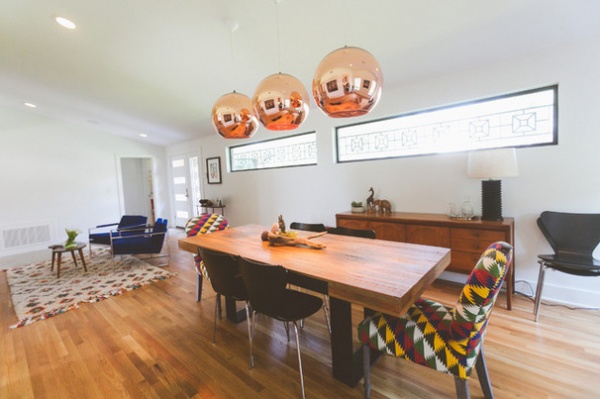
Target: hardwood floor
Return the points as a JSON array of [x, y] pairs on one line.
[[156, 342]]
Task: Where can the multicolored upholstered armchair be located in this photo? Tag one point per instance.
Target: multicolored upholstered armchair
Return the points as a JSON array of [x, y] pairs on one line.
[[203, 224], [440, 337]]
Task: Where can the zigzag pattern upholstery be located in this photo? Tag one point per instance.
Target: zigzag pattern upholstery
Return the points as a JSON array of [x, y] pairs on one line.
[[204, 224], [441, 337]]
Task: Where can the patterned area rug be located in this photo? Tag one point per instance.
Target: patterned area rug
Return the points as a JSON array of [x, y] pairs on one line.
[[37, 294]]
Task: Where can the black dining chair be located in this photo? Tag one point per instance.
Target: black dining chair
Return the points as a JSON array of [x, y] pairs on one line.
[[314, 227], [573, 237], [267, 289], [346, 231], [226, 280]]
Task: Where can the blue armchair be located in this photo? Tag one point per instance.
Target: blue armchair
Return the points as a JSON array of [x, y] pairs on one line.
[[147, 241], [129, 224]]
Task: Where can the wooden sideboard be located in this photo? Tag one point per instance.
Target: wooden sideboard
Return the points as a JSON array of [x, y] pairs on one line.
[[467, 239]]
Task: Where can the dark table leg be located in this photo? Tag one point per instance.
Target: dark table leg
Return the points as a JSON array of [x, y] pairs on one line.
[[232, 314], [74, 258], [346, 364], [58, 264], [82, 259]]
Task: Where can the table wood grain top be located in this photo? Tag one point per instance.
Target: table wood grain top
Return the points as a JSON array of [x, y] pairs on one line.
[[383, 275]]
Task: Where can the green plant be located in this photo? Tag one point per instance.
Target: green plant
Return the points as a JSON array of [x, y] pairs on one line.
[[71, 235], [356, 204]]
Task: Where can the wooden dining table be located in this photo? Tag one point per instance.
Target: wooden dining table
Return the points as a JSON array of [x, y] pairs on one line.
[[379, 275]]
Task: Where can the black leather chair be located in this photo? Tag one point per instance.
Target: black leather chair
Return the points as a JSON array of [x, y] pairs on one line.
[[314, 227], [573, 237], [226, 280], [269, 295], [345, 231]]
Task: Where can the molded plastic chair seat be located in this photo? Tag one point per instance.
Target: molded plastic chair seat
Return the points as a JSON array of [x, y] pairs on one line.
[[226, 280], [314, 227], [573, 237], [266, 286], [346, 231], [446, 339]]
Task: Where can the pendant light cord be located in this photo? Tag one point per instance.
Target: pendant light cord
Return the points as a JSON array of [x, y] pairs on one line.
[[278, 35]]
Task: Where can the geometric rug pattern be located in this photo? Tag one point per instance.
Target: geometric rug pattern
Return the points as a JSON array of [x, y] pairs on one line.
[[37, 294]]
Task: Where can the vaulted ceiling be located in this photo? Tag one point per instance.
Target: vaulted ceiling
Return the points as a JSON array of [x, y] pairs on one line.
[[157, 67]]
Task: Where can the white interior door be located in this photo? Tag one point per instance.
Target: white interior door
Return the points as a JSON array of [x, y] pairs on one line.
[[186, 187]]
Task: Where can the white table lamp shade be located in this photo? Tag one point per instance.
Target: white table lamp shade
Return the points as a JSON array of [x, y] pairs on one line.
[[490, 164]]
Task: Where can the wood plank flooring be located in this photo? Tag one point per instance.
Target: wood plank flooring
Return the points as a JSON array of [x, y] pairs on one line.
[[156, 342]]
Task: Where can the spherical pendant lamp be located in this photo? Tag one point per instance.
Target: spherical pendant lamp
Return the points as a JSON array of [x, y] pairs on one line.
[[347, 83], [280, 102], [232, 116]]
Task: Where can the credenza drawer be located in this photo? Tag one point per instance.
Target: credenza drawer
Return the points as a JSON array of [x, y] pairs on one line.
[[474, 240]]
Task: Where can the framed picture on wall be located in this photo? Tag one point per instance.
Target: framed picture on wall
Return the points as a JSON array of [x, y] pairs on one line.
[[213, 168]]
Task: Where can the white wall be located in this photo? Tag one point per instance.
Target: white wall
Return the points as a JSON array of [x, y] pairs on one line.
[[65, 173], [563, 177]]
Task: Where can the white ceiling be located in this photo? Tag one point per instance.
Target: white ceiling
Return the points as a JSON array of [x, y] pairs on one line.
[[157, 67]]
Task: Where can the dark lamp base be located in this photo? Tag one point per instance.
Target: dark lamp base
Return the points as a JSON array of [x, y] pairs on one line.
[[491, 200]]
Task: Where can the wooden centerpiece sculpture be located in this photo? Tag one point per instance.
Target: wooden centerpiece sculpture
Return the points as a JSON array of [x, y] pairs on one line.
[[279, 236]]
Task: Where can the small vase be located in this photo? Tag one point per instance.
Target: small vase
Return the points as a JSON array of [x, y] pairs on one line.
[[70, 244]]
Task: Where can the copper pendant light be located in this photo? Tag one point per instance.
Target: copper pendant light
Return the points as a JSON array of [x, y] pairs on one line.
[[232, 116], [347, 83], [280, 102]]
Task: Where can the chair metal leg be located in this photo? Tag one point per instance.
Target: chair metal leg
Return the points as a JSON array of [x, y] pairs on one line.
[[367, 370], [538, 291], [198, 287], [462, 388], [483, 376], [217, 302], [248, 323], [299, 360], [326, 311], [219, 306], [251, 335]]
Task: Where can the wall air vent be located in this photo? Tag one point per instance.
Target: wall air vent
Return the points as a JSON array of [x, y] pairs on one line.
[[19, 237]]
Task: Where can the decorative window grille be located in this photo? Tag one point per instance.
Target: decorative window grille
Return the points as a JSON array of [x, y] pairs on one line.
[[526, 118], [298, 150]]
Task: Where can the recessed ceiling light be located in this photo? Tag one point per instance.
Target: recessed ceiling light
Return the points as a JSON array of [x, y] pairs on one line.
[[143, 135], [66, 23], [30, 105]]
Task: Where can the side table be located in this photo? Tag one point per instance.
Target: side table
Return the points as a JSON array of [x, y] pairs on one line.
[[57, 251]]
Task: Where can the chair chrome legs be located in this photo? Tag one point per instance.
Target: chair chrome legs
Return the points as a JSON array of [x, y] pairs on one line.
[[251, 333], [217, 301], [538, 291], [249, 323], [326, 311], [299, 359]]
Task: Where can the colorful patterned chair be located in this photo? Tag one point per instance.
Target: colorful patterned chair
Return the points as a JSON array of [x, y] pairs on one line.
[[203, 224], [440, 337]]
